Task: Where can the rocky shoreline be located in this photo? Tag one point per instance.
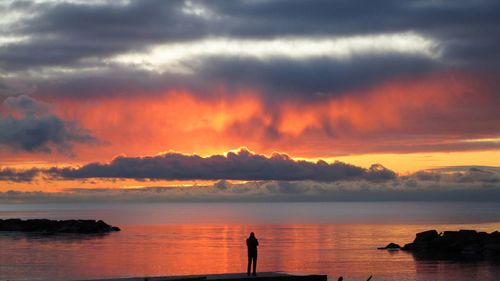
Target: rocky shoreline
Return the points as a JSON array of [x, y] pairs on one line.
[[462, 244], [57, 226]]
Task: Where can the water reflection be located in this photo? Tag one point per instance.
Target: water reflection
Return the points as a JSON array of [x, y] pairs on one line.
[[333, 249], [456, 270], [197, 238]]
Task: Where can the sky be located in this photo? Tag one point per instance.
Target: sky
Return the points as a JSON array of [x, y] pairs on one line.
[[258, 100]]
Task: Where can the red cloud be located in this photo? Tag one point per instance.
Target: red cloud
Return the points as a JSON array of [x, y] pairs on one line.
[[432, 113]]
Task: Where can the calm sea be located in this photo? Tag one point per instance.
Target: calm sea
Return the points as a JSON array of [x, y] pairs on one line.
[[197, 238]]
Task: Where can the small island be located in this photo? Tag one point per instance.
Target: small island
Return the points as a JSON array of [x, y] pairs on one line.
[[57, 226], [462, 244]]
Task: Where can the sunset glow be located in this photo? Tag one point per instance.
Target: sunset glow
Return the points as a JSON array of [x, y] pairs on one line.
[[391, 97], [182, 139]]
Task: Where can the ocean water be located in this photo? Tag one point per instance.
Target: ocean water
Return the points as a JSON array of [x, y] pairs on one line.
[[337, 239]]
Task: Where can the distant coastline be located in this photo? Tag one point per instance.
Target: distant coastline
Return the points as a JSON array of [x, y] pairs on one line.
[[57, 226]]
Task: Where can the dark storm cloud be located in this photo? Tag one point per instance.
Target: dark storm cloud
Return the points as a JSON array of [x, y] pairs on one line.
[[242, 165], [307, 79], [35, 129], [155, 21], [46, 52], [13, 175], [313, 78], [465, 29], [63, 33], [32, 133], [80, 36], [296, 17], [26, 104], [139, 21], [347, 17], [116, 81]]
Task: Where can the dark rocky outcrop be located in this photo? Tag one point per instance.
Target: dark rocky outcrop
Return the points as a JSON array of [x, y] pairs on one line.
[[57, 226], [462, 244], [390, 246]]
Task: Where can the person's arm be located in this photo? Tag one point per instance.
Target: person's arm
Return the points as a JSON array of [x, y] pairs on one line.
[[256, 242]]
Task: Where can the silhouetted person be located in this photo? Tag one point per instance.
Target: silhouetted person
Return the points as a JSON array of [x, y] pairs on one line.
[[252, 244]]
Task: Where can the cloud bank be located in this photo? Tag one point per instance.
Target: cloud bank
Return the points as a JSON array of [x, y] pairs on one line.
[[16, 175], [450, 184], [240, 165], [277, 178]]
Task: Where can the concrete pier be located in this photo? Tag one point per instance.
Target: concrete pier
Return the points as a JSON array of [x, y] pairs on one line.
[[272, 276]]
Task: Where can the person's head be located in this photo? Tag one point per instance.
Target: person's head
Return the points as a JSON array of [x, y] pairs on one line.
[[341, 278], [252, 235]]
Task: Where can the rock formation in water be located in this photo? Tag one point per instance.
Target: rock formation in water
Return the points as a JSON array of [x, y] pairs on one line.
[[56, 226], [462, 244], [390, 246]]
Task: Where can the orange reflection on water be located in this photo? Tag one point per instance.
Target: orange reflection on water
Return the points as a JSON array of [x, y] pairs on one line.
[[149, 250]]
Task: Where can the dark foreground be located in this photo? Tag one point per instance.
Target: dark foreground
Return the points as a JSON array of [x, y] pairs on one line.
[[272, 276], [57, 226], [462, 244]]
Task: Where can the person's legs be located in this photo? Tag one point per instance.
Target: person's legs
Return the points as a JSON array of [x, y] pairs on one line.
[[255, 265], [249, 263]]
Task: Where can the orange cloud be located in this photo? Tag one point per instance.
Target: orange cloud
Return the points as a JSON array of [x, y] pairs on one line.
[[433, 113], [174, 120]]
